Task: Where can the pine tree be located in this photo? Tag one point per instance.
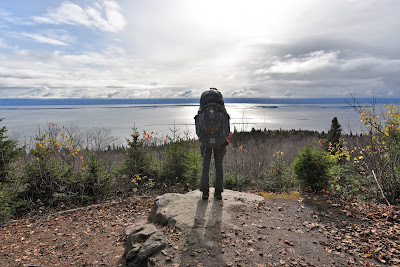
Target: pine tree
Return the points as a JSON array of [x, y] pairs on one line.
[[334, 134], [8, 152], [138, 161]]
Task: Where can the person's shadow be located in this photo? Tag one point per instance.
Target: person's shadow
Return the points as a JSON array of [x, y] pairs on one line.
[[213, 237], [203, 245]]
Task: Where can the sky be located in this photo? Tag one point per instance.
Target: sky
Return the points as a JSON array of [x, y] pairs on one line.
[[179, 48]]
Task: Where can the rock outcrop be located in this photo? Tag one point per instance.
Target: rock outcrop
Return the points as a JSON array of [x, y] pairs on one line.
[[184, 211]]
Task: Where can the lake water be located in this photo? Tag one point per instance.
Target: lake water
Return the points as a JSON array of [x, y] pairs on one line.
[[161, 115]]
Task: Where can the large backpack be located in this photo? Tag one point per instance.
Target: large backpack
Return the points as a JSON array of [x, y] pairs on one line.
[[212, 120]]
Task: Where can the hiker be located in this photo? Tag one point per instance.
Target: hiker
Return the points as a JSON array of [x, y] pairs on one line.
[[213, 130]]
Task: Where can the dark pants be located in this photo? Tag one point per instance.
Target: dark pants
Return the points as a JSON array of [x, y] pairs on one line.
[[219, 154]]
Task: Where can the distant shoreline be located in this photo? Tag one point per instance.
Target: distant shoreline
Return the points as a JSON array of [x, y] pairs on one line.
[[161, 101]]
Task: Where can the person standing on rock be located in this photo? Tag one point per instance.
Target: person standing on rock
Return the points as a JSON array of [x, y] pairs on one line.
[[213, 130]]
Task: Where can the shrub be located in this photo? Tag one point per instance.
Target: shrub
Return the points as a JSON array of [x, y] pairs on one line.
[[235, 180], [344, 180], [182, 164], [230, 181], [277, 176], [8, 153], [138, 160], [46, 178], [193, 165], [175, 164], [95, 181], [6, 209], [311, 167], [50, 176], [136, 166], [381, 152]]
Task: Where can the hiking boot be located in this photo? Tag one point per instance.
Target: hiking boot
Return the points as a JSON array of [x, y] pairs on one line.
[[205, 195], [218, 196]]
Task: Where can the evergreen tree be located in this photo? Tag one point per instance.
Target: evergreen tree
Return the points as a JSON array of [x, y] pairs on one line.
[[138, 161], [333, 135], [175, 164], [8, 152], [97, 181]]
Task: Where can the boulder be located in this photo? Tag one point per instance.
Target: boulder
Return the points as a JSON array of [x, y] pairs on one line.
[[142, 241], [188, 212], [185, 211]]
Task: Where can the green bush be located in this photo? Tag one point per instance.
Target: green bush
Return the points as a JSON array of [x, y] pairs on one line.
[[235, 181], [311, 167], [277, 177], [47, 179], [380, 151], [192, 166], [8, 153], [96, 183], [182, 164], [345, 181], [230, 181], [6, 210], [175, 163], [138, 160]]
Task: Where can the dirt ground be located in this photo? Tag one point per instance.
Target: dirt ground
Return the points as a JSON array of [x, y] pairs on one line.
[[287, 230], [306, 230], [91, 236]]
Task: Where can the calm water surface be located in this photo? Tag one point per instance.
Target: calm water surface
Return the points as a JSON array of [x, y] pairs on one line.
[[121, 118]]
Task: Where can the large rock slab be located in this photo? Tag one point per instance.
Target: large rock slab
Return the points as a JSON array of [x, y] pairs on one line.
[[188, 211], [191, 214]]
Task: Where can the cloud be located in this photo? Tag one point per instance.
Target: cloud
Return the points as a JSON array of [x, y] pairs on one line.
[[43, 39], [244, 93], [393, 94], [105, 16], [312, 48], [9, 18], [3, 44], [325, 72], [58, 74], [288, 93], [187, 93], [303, 63]]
